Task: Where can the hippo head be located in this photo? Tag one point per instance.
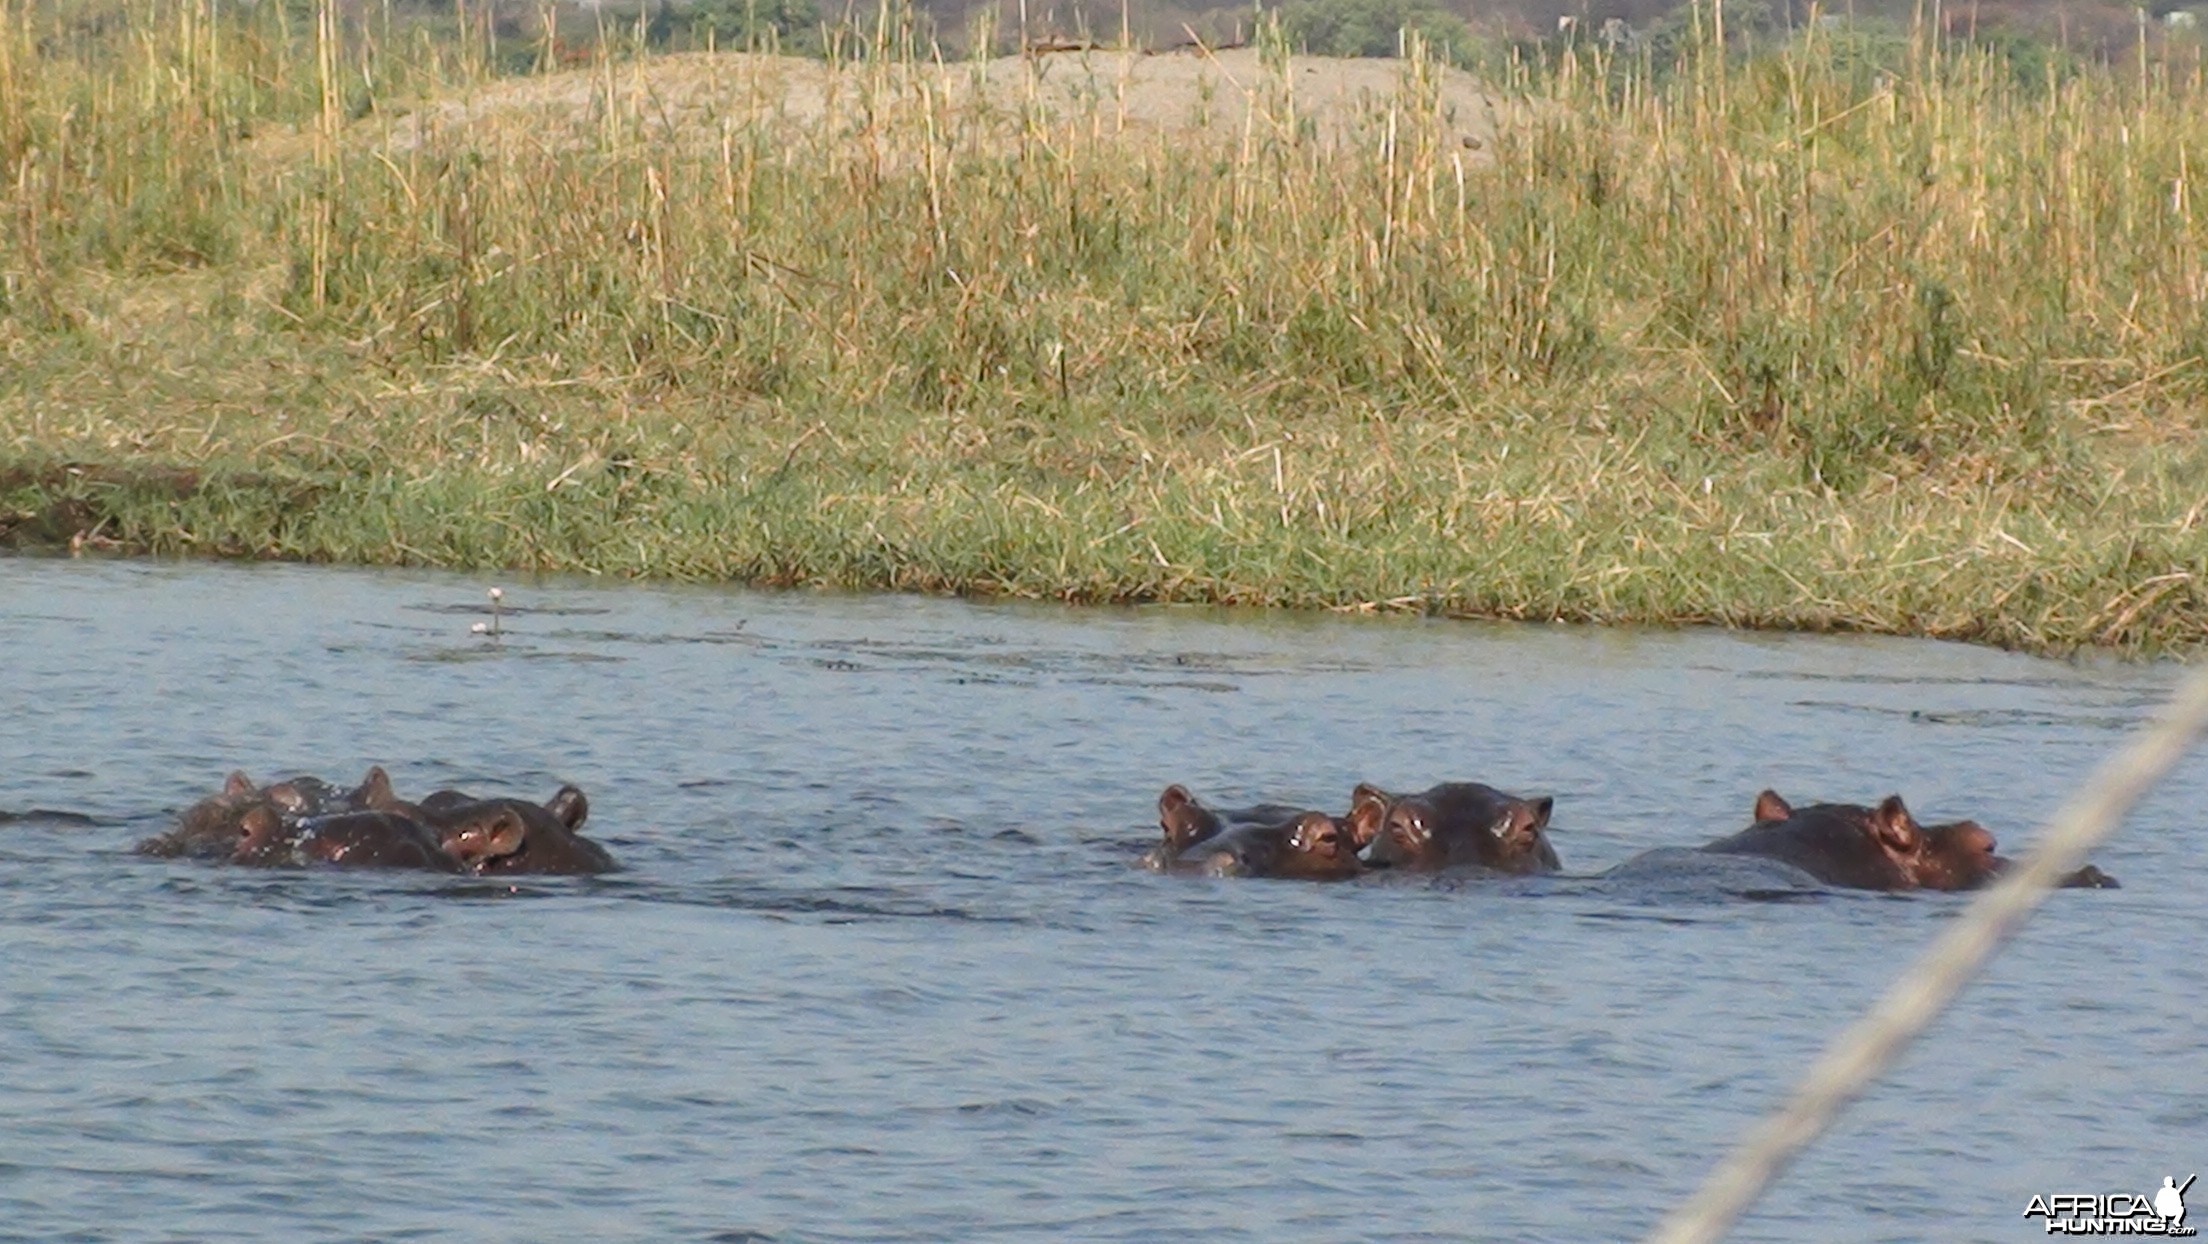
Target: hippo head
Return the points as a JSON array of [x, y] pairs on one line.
[[1961, 856], [210, 828], [486, 833], [1183, 819], [238, 792], [1517, 838], [1957, 856], [1508, 838], [1406, 838], [217, 815], [261, 838], [1313, 846], [1368, 814], [1319, 846]]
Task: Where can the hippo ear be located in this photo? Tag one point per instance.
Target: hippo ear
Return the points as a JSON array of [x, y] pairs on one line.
[[237, 785], [1174, 799], [568, 807], [1369, 813], [1770, 807], [1894, 828], [374, 792], [1183, 818], [506, 834]]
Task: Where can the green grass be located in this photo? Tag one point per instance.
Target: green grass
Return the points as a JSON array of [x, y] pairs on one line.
[[1773, 342]]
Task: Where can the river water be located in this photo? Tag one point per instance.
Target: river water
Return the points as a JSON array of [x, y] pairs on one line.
[[879, 967]]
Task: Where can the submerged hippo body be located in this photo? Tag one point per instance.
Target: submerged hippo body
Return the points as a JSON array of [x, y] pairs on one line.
[[1460, 825], [1311, 845], [1690, 874], [1881, 848]]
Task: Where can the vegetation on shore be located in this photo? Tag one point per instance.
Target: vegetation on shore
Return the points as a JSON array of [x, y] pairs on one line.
[[1836, 336]]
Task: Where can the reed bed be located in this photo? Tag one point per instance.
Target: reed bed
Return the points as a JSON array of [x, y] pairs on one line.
[[1800, 339]]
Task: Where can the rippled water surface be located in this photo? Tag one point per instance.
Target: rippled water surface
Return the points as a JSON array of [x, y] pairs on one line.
[[879, 968]]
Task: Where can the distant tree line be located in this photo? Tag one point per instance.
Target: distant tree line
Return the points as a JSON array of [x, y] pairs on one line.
[[1372, 27]]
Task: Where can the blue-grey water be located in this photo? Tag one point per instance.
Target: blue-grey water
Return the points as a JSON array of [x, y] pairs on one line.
[[879, 967]]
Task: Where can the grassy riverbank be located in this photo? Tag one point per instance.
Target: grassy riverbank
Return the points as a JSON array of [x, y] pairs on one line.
[[1846, 335]]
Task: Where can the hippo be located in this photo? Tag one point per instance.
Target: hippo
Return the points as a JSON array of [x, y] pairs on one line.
[[1881, 848], [213, 827], [210, 827], [1311, 845], [349, 839], [1457, 825], [1186, 821], [499, 835]]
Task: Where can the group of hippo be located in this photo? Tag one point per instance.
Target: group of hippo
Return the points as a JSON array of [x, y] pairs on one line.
[[1456, 826], [306, 821], [1465, 826]]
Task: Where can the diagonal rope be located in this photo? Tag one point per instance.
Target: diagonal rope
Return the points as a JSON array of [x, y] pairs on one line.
[[1870, 1045]]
